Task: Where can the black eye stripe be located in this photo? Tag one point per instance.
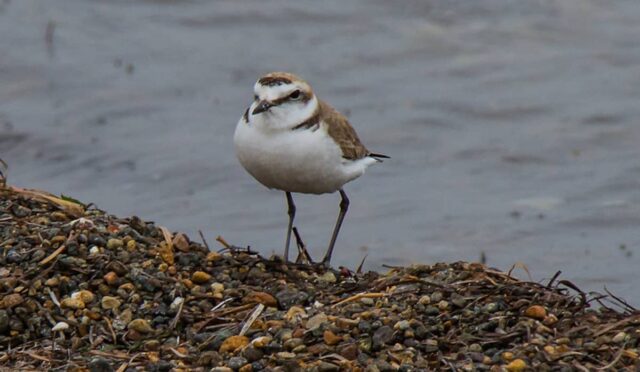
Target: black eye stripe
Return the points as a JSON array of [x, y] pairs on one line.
[[295, 94]]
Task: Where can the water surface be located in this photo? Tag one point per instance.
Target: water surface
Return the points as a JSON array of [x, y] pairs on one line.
[[513, 126]]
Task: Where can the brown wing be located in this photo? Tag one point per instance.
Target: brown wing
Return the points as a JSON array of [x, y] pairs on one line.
[[342, 132]]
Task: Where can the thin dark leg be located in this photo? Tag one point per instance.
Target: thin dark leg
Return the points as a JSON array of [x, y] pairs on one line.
[[344, 205], [292, 214]]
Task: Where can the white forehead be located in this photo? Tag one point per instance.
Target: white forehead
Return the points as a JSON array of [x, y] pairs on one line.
[[272, 92]]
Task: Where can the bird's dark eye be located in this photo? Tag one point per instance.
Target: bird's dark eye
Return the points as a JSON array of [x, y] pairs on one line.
[[295, 94], [255, 97]]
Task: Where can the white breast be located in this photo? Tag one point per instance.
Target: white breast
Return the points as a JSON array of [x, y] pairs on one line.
[[303, 160]]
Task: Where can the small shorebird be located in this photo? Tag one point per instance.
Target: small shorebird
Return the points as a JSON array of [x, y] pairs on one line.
[[290, 140]]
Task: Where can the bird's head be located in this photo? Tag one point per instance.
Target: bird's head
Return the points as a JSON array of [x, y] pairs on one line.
[[282, 100]]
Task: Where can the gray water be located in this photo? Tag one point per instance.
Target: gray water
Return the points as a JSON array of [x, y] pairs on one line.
[[513, 126]]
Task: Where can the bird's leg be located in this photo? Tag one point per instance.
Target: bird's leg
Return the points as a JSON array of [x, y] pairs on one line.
[[292, 214], [344, 205]]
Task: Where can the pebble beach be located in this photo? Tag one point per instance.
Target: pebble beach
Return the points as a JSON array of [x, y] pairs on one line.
[[83, 290]]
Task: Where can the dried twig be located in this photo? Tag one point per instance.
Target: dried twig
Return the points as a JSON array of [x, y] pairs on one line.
[[359, 269], [176, 319], [615, 360], [223, 242], [303, 254], [252, 318], [204, 241], [53, 255], [358, 297]]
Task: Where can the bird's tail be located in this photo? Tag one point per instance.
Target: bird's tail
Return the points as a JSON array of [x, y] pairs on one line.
[[378, 157]]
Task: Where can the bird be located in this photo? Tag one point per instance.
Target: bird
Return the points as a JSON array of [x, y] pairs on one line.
[[290, 140]]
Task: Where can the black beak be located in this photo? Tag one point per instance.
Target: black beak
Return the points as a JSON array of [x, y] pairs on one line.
[[262, 107]]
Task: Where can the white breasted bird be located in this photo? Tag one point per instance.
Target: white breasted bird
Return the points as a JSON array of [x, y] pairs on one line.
[[288, 139]]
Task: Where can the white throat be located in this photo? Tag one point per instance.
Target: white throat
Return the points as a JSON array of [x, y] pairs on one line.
[[282, 117]]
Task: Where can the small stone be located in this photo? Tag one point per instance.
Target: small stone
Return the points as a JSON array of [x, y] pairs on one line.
[[476, 357], [160, 366], [110, 303], [431, 346], [365, 344], [550, 320], [11, 300], [402, 325], [536, 312], [550, 349], [507, 356], [316, 321], [181, 242], [217, 287], [213, 256], [113, 244], [293, 343], [289, 297], [331, 338], [140, 325], [59, 216], [72, 303], [476, 348], [100, 365], [86, 296], [152, 345], [344, 323], [221, 369], [13, 256], [458, 300], [382, 336], [516, 365], [233, 343], [60, 326], [175, 304], [252, 353], [367, 301], [294, 313], [327, 278], [261, 298], [52, 282], [350, 351], [619, 338], [383, 366], [443, 305], [328, 367], [200, 277], [246, 368], [236, 363], [424, 300], [491, 307], [285, 355], [436, 296], [431, 310], [261, 342], [111, 278], [364, 326]]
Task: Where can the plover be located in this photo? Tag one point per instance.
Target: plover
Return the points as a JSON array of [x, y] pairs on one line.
[[290, 140]]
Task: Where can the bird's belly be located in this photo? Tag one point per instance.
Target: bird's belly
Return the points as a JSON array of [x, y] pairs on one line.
[[297, 161]]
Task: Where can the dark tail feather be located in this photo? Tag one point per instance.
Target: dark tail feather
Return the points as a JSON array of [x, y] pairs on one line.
[[379, 157]]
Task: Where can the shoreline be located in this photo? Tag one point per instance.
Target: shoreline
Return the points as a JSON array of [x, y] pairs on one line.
[[80, 288]]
